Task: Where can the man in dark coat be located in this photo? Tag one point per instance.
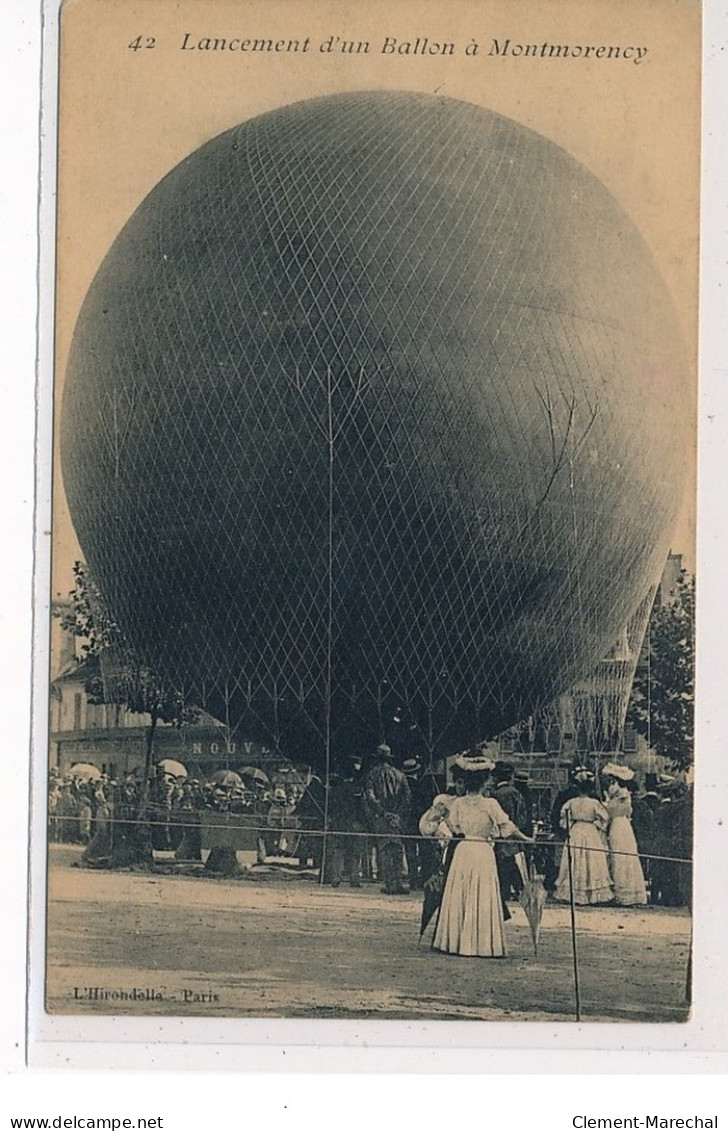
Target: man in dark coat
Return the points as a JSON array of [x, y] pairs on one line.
[[426, 859], [418, 853], [644, 806], [511, 801], [309, 813], [388, 801], [672, 880], [522, 783], [347, 824]]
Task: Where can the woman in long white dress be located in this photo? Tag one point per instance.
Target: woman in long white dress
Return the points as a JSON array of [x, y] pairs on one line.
[[470, 919], [586, 821], [627, 875]]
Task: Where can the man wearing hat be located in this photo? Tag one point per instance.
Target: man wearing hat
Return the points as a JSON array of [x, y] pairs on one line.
[[388, 802], [511, 801]]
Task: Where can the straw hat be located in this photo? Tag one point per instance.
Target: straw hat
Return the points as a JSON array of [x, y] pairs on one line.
[[621, 773], [474, 762]]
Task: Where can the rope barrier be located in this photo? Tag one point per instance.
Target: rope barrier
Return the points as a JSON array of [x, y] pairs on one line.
[[304, 832]]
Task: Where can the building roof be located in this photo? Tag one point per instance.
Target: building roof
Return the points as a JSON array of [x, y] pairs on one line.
[[83, 670]]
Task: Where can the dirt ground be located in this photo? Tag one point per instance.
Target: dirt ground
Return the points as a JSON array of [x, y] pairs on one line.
[[286, 947]]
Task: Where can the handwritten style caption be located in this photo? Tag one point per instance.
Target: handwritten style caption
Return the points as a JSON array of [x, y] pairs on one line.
[[421, 46]]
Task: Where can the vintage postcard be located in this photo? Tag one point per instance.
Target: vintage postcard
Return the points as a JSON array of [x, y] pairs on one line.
[[372, 596]]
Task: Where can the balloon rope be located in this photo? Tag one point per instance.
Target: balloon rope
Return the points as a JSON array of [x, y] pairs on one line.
[[330, 617]]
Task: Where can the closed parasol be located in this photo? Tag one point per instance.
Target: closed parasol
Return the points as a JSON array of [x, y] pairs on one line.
[[533, 900], [173, 768], [434, 886], [227, 778], [84, 771], [431, 897], [255, 774]]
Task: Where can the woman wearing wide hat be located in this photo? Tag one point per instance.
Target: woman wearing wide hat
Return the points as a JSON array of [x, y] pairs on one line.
[[627, 876], [470, 918]]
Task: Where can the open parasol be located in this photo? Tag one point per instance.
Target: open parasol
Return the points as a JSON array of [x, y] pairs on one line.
[[84, 771], [254, 774], [227, 778], [533, 900], [173, 768]]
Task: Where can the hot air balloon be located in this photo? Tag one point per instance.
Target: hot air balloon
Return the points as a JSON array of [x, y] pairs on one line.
[[369, 423]]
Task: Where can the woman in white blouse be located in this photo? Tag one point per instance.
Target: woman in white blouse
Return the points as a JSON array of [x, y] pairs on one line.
[[470, 919], [627, 875]]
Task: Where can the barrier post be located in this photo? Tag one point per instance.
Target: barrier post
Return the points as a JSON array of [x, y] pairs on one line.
[[572, 909]]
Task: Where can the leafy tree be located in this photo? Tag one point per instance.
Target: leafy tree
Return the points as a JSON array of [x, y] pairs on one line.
[[129, 681], [661, 705]]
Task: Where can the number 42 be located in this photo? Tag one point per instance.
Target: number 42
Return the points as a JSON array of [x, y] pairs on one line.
[[142, 41]]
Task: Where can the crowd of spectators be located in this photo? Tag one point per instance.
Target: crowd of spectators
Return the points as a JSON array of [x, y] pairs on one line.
[[372, 814]]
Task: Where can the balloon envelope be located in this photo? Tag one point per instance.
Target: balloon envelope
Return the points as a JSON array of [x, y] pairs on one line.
[[369, 428]]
